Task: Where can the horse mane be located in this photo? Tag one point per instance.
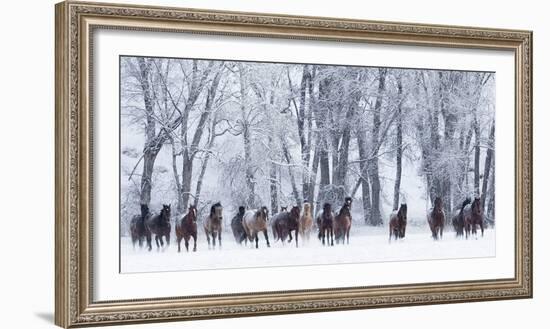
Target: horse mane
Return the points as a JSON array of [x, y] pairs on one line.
[[213, 208], [465, 202], [144, 211], [402, 208]]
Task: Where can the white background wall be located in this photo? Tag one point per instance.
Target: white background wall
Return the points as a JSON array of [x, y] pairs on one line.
[[27, 162]]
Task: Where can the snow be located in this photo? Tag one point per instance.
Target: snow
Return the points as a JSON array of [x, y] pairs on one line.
[[367, 244]]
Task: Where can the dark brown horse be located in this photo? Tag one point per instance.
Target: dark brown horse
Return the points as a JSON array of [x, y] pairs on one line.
[[213, 225], [237, 226], [325, 221], [398, 222], [284, 223], [160, 226], [187, 228], [458, 218], [342, 222], [436, 219], [137, 226], [254, 222], [473, 216]]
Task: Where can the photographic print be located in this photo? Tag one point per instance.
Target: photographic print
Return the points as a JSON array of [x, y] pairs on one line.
[[236, 164]]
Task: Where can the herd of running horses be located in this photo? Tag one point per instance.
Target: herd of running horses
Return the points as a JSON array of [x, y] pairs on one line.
[[246, 225]]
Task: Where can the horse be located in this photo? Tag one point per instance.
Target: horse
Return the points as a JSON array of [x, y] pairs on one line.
[[458, 218], [306, 221], [342, 223], [187, 228], [325, 221], [213, 225], [398, 222], [255, 221], [284, 223], [473, 216], [160, 226], [237, 226], [137, 226], [436, 219]]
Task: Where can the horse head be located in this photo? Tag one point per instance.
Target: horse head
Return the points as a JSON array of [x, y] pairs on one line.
[[295, 212], [327, 208], [242, 210], [264, 213], [476, 206], [438, 204], [216, 210], [345, 210], [403, 210], [165, 212], [192, 214], [307, 209], [348, 201]]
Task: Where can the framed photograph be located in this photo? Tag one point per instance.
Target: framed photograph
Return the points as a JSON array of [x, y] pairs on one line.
[[217, 164]]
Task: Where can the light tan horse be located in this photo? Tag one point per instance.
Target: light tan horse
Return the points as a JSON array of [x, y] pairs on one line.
[[254, 222], [213, 225], [306, 221]]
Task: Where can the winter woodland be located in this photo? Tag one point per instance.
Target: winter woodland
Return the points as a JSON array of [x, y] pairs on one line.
[[252, 134]]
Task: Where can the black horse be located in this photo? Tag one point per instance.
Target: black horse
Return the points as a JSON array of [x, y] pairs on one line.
[[458, 218], [137, 226], [325, 222], [160, 226], [237, 226]]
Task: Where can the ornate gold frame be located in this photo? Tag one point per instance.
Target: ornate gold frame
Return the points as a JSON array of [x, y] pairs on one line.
[[75, 21]]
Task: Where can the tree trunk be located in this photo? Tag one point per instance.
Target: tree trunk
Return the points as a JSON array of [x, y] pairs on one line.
[[376, 218], [150, 150], [288, 159], [476, 155], [363, 168], [488, 165], [322, 142], [399, 144]]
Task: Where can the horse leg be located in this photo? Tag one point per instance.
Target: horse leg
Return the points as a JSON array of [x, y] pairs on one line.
[[331, 237], [266, 239], [322, 235], [207, 238], [213, 239], [167, 239], [149, 244], [296, 233], [187, 244], [179, 243], [220, 238], [256, 239], [194, 242], [347, 234], [481, 227]]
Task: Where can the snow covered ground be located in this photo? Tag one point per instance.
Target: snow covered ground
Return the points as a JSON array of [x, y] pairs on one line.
[[367, 244]]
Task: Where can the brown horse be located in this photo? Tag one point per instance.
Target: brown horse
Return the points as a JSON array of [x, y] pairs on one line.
[[213, 225], [137, 226], [458, 218], [342, 222], [473, 216], [284, 223], [306, 221], [187, 228], [255, 221], [436, 219], [325, 221], [398, 222], [160, 226], [237, 226]]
